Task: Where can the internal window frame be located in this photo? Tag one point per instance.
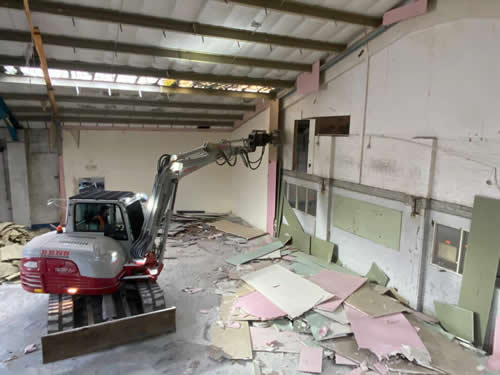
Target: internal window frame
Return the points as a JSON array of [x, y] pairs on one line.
[[293, 186], [462, 248]]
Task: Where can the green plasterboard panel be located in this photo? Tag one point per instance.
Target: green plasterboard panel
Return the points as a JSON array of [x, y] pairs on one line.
[[376, 275], [264, 250], [379, 224], [317, 264], [300, 239], [456, 320], [322, 249], [481, 263], [291, 218]]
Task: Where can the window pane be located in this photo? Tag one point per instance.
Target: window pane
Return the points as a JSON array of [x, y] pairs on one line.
[[93, 217], [311, 202], [292, 195], [302, 145], [446, 244], [301, 198]]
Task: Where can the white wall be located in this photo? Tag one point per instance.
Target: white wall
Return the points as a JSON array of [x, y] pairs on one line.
[[249, 188], [434, 76], [127, 161]]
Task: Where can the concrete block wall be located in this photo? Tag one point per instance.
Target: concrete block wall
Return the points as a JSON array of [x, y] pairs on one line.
[[424, 122]]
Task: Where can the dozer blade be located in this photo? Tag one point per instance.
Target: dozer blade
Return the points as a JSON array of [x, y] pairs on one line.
[[100, 336], [85, 324]]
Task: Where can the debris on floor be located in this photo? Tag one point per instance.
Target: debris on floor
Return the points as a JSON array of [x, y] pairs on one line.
[[322, 314], [12, 239]]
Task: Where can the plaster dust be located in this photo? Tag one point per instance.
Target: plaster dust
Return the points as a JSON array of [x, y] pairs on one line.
[[200, 265]]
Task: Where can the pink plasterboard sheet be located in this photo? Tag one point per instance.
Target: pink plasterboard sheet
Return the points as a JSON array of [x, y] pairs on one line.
[[339, 360], [311, 359], [341, 285], [308, 83], [494, 359], [256, 304], [410, 10], [287, 341], [331, 305], [386, 335], [381, 368]]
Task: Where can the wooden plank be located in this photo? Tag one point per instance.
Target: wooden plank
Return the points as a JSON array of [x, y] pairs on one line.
[[456, 320], [376, 223], [481, 263], [78, 341], [237, 229]]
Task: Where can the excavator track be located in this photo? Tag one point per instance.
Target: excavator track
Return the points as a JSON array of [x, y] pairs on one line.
[[66, 312]]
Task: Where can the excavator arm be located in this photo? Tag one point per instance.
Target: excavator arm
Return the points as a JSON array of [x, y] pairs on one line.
[[171, 168]]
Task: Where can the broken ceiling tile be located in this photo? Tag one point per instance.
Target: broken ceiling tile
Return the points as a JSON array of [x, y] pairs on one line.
[[290, 292], [270, 340], [388, 336], [376, 275], [311, 360], [11, 252], [456, 320], [257, 305]]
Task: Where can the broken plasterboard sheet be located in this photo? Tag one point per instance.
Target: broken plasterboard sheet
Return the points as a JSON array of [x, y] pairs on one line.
[[456, 320], [269, 339], [239, 259], [331, 305], [227, 312], [323, 328], [300, 239], [290, 217], [341, 360], [376, 275], [274, 255], [372, 303], [447, 355], [322, 249], [341, 285], [314, 262], [237, 229], [257, 305], [388, 336], [234, 342], [311, 360], [290, 292], [481, 263], [337, 315], [7, 269], [11, 252]]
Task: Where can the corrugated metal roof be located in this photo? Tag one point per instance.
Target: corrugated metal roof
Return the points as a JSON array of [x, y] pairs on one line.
[[215, 12]]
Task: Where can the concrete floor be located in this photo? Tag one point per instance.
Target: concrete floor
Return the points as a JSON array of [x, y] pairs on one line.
[[23, 322]]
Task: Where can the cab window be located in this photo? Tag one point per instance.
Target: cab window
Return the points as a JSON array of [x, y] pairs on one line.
[[100, 217]]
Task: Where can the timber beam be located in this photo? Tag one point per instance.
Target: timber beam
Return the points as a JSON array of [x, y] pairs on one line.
[[304, 9], [163, 24], [151, 72], [108, 100], [138, 49]]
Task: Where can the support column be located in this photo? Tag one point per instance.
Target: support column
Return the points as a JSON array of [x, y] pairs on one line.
[[272, 167], [18, 183]]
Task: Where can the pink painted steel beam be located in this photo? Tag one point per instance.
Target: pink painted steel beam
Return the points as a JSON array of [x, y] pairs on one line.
[[413, 9]]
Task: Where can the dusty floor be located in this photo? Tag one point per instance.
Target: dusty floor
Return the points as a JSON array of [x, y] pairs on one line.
[[23, 322]]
